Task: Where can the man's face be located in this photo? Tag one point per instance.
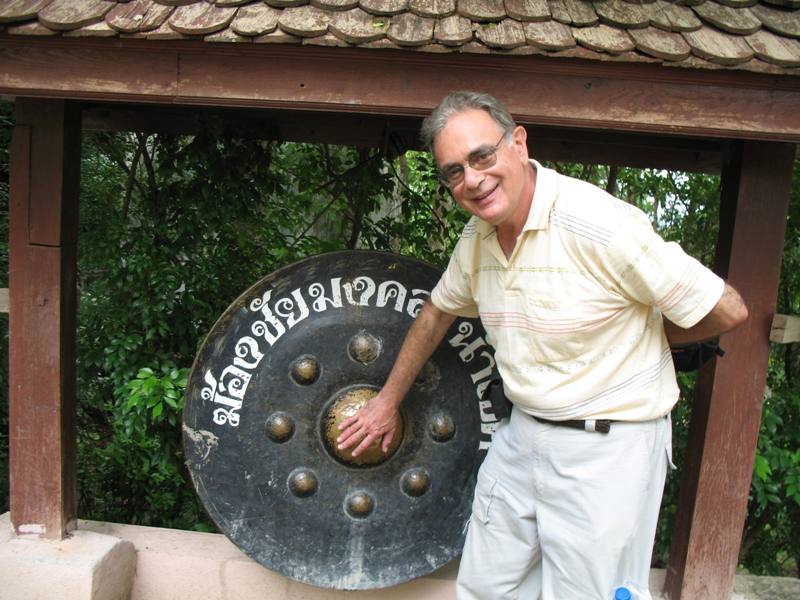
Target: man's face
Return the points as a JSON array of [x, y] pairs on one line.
[[497, 194]]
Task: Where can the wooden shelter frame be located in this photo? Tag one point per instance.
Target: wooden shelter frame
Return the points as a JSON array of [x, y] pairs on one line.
[[743, 125]]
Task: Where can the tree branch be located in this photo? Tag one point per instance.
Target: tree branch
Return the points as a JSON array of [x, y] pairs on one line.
[[126, 203], [110, 150], [329, 183], [151, 172], [611, 182]]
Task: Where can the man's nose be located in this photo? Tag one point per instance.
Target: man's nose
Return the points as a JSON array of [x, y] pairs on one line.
[[472, 177]]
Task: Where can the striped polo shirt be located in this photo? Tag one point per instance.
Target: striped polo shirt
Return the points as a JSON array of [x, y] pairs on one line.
[[575, 315]]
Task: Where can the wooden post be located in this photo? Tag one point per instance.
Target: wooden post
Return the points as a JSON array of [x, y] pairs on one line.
[[728, 398], [43, 217]]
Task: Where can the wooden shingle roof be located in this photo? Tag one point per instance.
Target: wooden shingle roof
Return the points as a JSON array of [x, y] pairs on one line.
[[761, 36]]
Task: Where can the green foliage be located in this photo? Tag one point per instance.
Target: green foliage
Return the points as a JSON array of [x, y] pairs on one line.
[[131, 475], [422, 220]]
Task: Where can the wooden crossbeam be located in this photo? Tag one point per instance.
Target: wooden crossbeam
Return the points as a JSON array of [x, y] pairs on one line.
[[569, 92], [785, 329], [3, 300]]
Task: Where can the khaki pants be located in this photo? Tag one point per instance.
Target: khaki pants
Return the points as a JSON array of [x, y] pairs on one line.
[[565, 514]]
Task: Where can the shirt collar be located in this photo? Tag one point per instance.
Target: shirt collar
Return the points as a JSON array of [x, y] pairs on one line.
[[544, 196]]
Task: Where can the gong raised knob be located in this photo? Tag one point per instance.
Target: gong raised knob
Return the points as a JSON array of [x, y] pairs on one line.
[[345, 404], [280, 427], [442, 428], [359, 505], [415, 482], [364, 347], [305, 370], [303, 482]]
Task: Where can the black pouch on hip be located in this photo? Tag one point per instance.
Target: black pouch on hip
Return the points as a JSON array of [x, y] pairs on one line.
[[501, 406], [694, 356]]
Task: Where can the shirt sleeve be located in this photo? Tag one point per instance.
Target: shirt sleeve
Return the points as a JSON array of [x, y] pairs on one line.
[[660, 274], [453, 293]]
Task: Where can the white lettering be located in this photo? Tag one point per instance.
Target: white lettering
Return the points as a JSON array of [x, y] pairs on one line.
[[228, 393]]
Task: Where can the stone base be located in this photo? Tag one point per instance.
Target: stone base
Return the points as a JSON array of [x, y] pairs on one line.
[[99, 560], [85, 566], [173, 565]]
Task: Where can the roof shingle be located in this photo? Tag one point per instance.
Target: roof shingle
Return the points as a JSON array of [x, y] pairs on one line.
[[573, 12], [661, 44], [384, 7], [20, 10], [357, 26], [432, 8], [622, 14], [773, 49], [411, 30], [139, 15], [453, 31], [733, 20], [201, 18], [482, 11], [304, 21], [602, 38], [255, 19], [68, 15], [550, 35], [716, 47], [756, 35], [671, 17], [528, 10], [506, 34]]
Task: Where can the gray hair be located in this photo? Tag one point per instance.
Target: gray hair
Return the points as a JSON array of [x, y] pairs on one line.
[[456, 102]]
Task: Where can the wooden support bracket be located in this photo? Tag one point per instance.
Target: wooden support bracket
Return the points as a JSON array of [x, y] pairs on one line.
[[785, 329]]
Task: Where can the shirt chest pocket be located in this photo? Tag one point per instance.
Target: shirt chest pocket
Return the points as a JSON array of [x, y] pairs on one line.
[[544, 329]]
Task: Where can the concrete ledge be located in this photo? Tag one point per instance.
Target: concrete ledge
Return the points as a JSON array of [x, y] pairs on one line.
[[177, 565], [85, 566], [751, 587], [97, 563]]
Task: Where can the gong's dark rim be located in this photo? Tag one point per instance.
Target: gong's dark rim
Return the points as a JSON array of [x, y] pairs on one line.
[[318, 334]]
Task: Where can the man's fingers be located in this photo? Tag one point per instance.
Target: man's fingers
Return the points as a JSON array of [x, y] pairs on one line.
[[347, 422], [365, 443], [387, 440], [348, 427], [352, 434], [349, 438]]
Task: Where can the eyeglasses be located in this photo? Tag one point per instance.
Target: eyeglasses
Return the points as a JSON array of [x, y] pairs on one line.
[[479, 160]]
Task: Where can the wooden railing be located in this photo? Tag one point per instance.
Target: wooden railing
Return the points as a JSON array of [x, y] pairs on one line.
[[785, 329]]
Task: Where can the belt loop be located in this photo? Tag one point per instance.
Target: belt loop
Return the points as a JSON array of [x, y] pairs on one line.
[[589, 425]]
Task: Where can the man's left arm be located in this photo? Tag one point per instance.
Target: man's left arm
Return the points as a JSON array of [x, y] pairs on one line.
[[729, 312]]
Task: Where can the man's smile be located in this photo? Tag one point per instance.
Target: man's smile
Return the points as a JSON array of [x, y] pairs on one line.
[[481, 198]]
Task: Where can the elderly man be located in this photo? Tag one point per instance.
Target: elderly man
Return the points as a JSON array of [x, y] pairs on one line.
[[581, 301]]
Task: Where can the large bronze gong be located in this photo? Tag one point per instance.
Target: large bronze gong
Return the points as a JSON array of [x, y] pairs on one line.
[[295, 354]]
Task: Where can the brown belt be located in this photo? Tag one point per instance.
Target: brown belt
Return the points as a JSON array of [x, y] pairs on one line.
[[597, 425]]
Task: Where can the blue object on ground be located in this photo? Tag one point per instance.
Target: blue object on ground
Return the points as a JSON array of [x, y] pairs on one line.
[[622, 593]]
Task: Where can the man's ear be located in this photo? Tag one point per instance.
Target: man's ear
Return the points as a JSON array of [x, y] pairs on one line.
[[520, 140]]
